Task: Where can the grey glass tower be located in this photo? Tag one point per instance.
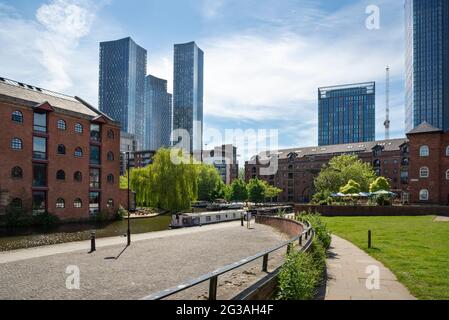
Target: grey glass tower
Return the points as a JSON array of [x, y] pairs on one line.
[[123, 67], [188, 92], [158, 114], [427, 63], [346, 113]]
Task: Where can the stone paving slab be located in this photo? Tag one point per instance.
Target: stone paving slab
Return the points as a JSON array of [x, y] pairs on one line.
[[153, 262], [347, 275]]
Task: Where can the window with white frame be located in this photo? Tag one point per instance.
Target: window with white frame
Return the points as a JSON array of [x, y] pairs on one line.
[[424, 195], [447, 175], [424, 172], [424, 151]]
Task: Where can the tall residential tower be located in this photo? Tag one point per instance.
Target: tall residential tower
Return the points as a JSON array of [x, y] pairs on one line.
[[158, 114], [427, 63], [188, 92], [346, 113], [123, 67]]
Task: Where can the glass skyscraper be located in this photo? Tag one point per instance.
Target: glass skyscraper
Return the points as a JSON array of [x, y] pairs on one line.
[[188, 92], [427, 63], [346, 114], [158, 114], [123, 67]]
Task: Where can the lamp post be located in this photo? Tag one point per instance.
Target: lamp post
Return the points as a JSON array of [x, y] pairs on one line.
[[129, 204], [128, 233]]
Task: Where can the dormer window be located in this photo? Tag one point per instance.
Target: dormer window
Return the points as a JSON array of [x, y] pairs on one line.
[[95, 132]]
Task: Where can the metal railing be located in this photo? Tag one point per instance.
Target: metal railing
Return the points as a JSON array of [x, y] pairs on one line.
[[307, 236]]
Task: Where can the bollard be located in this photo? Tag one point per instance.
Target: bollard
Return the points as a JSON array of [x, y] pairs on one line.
[[92, 242], [241, 220], [369, 239]]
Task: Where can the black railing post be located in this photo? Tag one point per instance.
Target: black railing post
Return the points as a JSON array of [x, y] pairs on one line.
[[92, 242], [369, 239], [265, 263], [289, 248], [213, 288], [306, 235], [300, 240]]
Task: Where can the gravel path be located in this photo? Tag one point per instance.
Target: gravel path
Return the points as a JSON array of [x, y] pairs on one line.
[[156, 262]]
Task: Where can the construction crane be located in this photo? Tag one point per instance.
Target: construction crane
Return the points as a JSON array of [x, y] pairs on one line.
[[387, 106]]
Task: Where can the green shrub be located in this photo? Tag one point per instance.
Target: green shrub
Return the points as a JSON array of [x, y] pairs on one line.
[[100, 217], [121, 213], [17, 217], [320, 228], [45, 219], [297, 277]]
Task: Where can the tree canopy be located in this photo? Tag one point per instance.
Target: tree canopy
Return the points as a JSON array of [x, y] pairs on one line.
[[164, 184], [238, 191], [351, 187], [340, 170], [379, 184], [210, 184], [256, 191]]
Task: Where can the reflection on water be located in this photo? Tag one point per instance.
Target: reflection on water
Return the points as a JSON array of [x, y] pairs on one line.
[[11, 239]]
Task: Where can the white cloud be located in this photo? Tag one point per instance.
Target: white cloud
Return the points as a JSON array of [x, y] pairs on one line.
[[58, 49], [211, 8], [70, 18], [272, 75]]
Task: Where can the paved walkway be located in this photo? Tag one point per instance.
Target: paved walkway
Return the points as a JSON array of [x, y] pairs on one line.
[[154, 262], [348, 269]]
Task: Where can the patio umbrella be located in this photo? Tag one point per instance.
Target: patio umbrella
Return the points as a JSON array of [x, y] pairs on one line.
[[384, 192]]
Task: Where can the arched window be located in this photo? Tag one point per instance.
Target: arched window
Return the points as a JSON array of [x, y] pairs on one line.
[[16, 144], [424, 172], [77, 203], [110, 203], [78, 176], [60, 175], [110, 178], [447, 175], [16, 203], [424, 151], [376, 163], [60, 203], [17, 117], [78, 152], [17, 173], [78, 128], [405, 162], [424, 195], [110, 156], [110, 134], [61, 124], [61, 149]]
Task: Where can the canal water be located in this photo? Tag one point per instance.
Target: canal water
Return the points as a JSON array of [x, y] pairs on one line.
[[11, 239]]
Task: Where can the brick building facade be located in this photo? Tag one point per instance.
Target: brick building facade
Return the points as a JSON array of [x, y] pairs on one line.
[[297, 168], [59, 154], [429, 165], [417, 166]]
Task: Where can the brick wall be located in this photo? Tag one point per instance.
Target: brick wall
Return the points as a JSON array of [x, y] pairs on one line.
[[68, 189]]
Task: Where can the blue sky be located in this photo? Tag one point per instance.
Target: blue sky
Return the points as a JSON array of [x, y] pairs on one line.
[[264, 59]]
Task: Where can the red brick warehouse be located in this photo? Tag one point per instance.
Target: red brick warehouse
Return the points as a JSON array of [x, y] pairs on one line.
[[417, 166], [59, 154]]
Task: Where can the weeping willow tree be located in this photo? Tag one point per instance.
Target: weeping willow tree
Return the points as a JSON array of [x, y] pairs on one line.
[[170, 184]]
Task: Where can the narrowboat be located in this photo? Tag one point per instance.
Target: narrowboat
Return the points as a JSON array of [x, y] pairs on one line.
[[184, 220]]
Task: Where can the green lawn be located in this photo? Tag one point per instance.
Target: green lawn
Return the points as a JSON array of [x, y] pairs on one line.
[[415, 249]]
